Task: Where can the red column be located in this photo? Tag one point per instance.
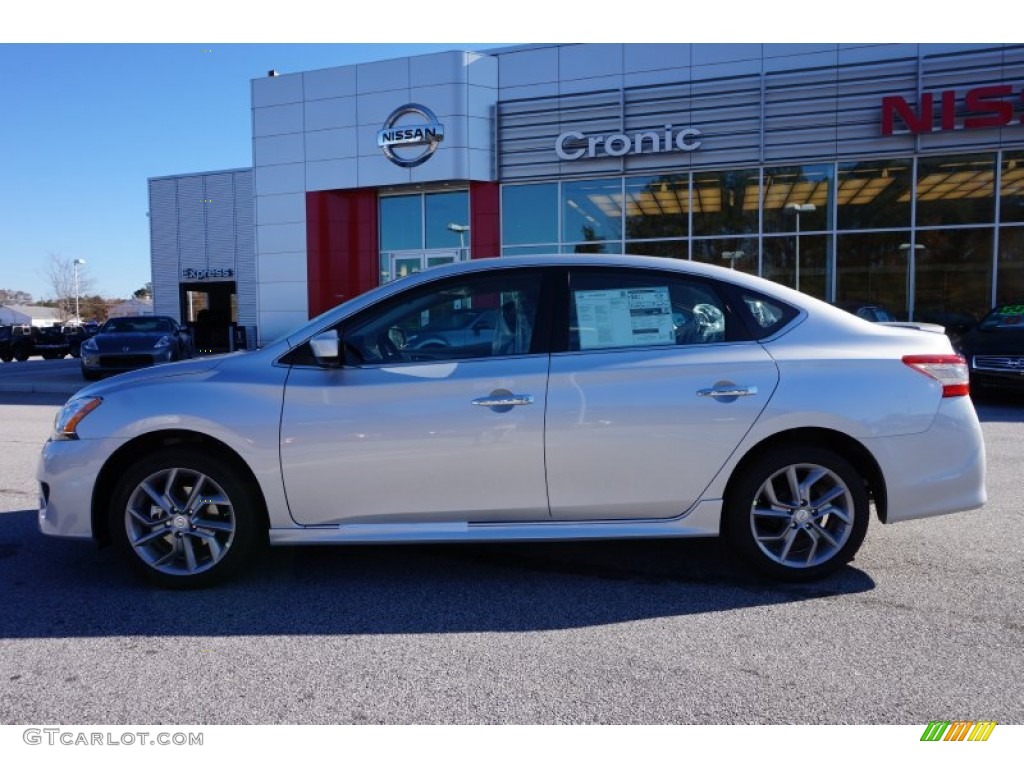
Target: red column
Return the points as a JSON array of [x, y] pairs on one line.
[[485, 219], [342, 253]]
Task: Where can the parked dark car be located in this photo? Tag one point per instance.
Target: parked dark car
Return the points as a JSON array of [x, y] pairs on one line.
[[994, 349], [50, 343], [127, 343], [23, 342], [6, 350], [873, 313], [77, 334]]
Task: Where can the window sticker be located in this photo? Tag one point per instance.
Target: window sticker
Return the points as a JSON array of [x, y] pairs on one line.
[[629, 317]]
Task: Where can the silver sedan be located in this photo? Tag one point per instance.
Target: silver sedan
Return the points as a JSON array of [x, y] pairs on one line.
[[610, 397]]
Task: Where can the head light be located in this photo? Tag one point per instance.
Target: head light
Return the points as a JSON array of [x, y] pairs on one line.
[[89, 345], [165, 341], [71, 415]]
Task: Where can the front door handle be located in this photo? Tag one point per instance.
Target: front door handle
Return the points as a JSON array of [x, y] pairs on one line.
[[502, 401], [731, 390]]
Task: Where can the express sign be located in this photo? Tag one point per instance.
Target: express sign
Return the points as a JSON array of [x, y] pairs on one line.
[[573, 145], [990, 106]]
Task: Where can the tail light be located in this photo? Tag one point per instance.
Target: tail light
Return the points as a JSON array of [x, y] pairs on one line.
[[949, 370]]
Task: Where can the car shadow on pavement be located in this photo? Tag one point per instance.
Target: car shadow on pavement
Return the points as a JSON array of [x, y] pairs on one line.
[[53, 588]]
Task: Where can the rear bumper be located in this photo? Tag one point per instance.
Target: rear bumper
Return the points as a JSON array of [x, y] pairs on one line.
[[938, 471]]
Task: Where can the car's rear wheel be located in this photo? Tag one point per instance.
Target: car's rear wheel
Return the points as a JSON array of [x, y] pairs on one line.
[[797, 513], [185, 520], [21, 354]]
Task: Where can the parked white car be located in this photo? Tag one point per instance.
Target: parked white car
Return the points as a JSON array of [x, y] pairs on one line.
[[612, 397]]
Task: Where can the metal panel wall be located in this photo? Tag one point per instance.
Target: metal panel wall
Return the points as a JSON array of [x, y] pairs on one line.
[[203, 221], [812, 111], [163, 245]]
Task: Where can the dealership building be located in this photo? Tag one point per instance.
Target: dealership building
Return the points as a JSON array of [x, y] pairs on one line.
[[885, 174]]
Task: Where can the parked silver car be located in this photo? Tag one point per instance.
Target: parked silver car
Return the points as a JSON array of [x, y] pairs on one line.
[[613, 397]]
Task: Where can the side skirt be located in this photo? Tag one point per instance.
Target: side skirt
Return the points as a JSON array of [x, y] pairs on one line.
[[701, 520]]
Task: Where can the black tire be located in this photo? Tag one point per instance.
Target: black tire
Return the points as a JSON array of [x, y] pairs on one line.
[[89, 375], [801, 535], [208, 525], [21, 354], [6, 357]]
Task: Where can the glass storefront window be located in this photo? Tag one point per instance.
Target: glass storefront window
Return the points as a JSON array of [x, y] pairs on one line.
[[953, 277], [447, 217], [401, 223], [797, 191], [657, 206], [872, 268], [1011, 193], [592, 213], [955, 190], [726, 202], [811, 273], [672, 249], [734, 252], [874, 194], [1010, 274], [529, 250], [529, 214]]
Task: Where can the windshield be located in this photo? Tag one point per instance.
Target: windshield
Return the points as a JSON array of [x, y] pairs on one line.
[[1006, 316], [137, 325]]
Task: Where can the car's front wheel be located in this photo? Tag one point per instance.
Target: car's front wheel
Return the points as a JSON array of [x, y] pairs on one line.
[[797, 513], [185, 519]]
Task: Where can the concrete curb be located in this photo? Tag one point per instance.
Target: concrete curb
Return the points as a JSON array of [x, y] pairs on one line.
[[42, 388]]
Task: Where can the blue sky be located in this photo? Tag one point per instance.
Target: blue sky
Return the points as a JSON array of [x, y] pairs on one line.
[[84, 126]]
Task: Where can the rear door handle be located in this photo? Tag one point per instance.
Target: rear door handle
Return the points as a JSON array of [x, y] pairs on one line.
[[503, 401]]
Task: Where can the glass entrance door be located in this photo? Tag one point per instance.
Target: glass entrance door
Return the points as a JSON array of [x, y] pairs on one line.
[[422, 229], [402, 263]]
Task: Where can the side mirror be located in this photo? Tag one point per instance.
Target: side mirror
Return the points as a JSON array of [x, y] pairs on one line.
[[326, 348]]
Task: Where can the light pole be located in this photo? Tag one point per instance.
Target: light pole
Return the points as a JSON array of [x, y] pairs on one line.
[[77, 264], [910, 251], [732, 256], [798, 208], [462, 229]]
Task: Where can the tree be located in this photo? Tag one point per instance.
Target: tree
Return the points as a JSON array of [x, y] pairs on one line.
[[61, 274], [145, 292], [14, 297]]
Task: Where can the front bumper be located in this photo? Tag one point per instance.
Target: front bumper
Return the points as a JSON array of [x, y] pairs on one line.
[[67, 473], [119, 362]]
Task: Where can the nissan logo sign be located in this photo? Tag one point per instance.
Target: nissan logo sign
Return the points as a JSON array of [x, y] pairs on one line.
[[398, 134]]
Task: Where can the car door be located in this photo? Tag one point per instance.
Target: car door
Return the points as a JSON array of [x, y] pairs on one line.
[[655, 390], [447, 434]]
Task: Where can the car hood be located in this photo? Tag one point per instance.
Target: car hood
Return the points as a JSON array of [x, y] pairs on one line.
[[998, 341], [135, 342], [167, 370]]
